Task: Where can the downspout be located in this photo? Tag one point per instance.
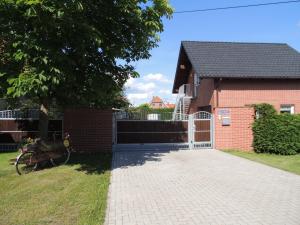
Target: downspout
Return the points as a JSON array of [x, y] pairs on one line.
[[217, 91], [213, 122]]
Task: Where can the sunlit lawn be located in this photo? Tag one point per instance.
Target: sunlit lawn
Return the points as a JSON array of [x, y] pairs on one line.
[[72, 194], [289, 163]]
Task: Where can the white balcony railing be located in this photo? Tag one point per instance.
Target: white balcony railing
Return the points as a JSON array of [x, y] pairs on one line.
[[182, 103]]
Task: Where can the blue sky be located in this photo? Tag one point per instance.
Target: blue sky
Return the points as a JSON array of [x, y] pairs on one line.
[[279, 23]]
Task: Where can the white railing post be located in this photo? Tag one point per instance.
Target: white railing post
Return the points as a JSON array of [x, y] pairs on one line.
[[191, 131]]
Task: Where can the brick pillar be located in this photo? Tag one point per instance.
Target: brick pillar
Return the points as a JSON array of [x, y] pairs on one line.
[[237, 135], [90, 129]]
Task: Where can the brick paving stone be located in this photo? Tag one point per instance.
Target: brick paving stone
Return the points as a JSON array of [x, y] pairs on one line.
[[199, 187]]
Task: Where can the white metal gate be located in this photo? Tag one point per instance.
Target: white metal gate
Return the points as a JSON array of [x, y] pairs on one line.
[[201, 130]]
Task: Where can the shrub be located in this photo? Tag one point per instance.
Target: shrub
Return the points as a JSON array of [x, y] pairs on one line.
[[278, 134], [264, 110]]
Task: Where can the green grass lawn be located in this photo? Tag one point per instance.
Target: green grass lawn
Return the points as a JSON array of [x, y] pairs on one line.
[[72, 194], [289, 163]]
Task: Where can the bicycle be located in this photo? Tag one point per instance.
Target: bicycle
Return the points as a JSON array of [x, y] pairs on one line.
[[36, 153]]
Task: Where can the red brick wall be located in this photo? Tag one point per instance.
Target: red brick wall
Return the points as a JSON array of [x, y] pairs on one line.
[[191, 77], [90, 129], [237, 93], [238, 135]]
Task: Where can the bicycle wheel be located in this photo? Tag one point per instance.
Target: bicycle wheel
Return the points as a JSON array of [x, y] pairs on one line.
[[61, 158], [26, 163]]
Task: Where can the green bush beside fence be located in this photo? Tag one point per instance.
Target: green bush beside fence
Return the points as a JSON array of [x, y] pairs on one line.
[[276, 133]]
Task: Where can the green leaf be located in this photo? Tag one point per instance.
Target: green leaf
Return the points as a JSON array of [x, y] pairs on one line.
[[69, 51], [10, 90], [45, 60]]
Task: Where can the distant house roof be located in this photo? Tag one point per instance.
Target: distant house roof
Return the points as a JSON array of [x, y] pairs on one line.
[[170, 105], [236, 60], [156, 99]]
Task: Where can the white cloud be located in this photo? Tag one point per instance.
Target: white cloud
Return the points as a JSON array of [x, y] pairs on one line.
[[133, 85], [140, 90], [141, 86], [137, 96], [157, 77], [130, 82]]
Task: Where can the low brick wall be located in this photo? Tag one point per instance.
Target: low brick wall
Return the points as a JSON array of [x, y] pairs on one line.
[[238, 134], [90, 129]]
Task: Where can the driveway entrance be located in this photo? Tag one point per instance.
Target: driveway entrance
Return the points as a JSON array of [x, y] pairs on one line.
[[194, 131], [199, 187]]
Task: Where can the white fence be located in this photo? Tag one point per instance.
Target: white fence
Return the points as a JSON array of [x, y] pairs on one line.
[[19, 114], [148, 115]]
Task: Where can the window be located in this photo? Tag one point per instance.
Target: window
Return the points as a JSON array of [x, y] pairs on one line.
[[196, 83], [290, 109]]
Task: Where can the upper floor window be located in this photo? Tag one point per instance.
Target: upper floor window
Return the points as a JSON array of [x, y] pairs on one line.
[[196, 83], [196, 79], [290, 109]]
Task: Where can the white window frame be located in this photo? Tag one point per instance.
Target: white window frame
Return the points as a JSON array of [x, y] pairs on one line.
[[196, 84], [287, 108]]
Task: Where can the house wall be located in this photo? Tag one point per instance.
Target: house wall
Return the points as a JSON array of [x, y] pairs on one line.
[[237, 135], [157, 105], [236, 96], [191, 77], [205, 95], [237, 93], [90, 129]]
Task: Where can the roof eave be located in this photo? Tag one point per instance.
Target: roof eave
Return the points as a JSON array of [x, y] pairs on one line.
[[181, 60], [177, 68]]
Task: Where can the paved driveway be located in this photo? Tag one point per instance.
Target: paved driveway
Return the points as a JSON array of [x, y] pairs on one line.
[[199, 187]]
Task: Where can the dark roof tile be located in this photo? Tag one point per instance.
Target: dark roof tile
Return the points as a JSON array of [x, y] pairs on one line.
[[243, 60]]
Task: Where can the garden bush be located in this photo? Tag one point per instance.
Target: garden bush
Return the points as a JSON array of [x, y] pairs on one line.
[[264, 110], [276, 133]]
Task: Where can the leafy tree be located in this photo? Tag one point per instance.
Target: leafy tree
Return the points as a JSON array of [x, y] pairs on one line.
[[74, 51], [144, 107]]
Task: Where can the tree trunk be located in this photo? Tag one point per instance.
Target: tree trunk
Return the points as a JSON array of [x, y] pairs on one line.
[[43, 120]]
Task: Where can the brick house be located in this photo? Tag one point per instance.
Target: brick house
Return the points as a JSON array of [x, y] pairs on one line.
[[226, 78], [158, 103]]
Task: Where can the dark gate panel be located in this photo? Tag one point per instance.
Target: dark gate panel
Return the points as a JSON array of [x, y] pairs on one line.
[[129, 132], [202, 130]]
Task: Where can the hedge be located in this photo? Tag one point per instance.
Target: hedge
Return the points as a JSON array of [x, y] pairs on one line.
[[276, 133]]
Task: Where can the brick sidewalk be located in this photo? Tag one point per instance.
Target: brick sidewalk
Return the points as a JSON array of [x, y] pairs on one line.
[[199, 187]]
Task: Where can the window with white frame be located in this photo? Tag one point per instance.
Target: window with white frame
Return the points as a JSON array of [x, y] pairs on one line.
[[196, 84], [290, 109]]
